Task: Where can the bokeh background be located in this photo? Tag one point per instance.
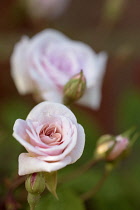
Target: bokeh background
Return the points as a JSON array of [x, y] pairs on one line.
[[109, 25]]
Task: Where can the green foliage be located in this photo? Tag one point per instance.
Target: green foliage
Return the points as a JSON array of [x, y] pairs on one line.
[[68, 200], [120, 191], [9, 147], [111, 196], [128, 111], [13, 109], [84, 182]]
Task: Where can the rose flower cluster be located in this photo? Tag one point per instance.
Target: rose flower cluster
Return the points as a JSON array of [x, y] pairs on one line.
[[43, 65], [57, 71]]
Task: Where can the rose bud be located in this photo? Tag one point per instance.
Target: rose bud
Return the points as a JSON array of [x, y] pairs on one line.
[[121, 144], [74, 89], [44, 64], [35, 183], [104, 145], [112, 148]]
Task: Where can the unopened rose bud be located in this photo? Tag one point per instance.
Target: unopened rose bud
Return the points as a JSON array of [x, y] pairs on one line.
[[35, 183], [104, 145], [121, 144], [112, 148], [75, 88]]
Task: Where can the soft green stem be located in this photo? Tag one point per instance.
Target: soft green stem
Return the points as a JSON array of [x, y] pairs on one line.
[[33, 200], [32, 208], [79, 171], [97, 187]]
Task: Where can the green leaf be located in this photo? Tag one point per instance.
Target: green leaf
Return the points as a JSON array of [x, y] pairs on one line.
[[68, 200], [84, 182]]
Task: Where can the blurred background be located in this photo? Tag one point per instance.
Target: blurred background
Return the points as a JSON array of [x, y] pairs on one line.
[[106, 25]]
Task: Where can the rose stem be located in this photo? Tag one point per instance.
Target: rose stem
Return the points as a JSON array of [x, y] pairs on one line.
[[79, 171], [17, 182], [94, 190]]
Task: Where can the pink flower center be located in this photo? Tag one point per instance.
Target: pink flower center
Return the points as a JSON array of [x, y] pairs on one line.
[[50, 135]]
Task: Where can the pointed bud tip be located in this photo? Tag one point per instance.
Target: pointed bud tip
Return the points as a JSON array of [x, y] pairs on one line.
[[55, 195]]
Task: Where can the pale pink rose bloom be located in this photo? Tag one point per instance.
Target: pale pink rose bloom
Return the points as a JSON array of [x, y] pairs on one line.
[[52, 137], [46, 8], [46, 62], [120, 146]]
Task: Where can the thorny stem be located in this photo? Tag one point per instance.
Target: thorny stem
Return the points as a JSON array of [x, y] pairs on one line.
[[79, 171], [94, 190]]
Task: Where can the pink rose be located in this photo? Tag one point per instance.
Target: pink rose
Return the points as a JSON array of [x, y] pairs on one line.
[[47, 62], [46, 8], [51, 136]]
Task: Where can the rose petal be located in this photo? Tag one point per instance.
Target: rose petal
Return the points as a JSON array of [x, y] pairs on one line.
[[21, 136], [19, 69], [52, 95], [62, 155], [45, 109], [47, 36], [120, 146], [28, 165], [78, 150], [92, 97]]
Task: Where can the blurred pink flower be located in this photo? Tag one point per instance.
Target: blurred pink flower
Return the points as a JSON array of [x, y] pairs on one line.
[[47, 62], [121, 144], [46, 8], [51, 136]]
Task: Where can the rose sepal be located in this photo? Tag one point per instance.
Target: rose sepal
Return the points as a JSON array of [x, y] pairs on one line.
[[51, 182]]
